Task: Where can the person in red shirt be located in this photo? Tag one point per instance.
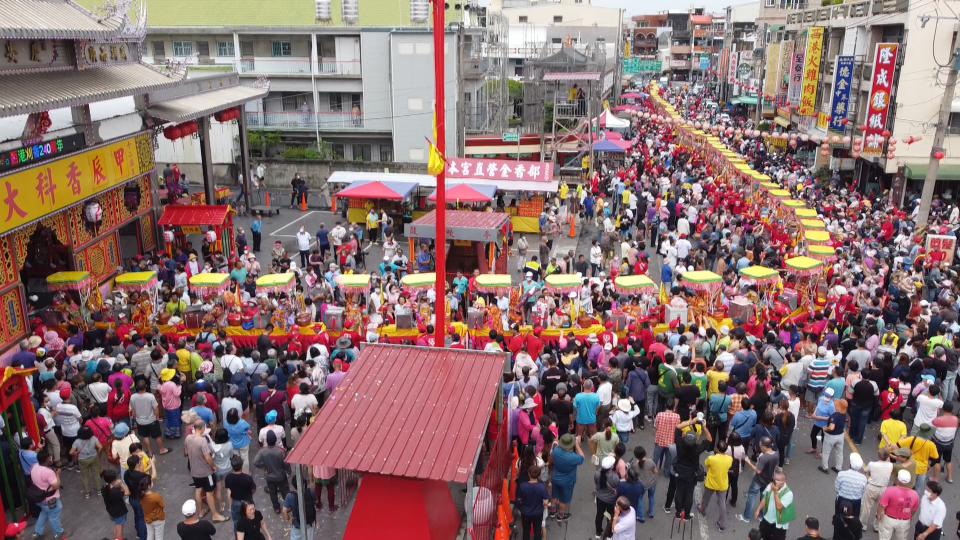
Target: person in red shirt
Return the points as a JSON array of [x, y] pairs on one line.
[[535, 343], [646, 336], [898, 504], [517, 341], [607, 336]]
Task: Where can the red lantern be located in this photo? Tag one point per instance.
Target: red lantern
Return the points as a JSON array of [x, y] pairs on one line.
[[939, 155], [168, 132], [176, 133], [886, 134]]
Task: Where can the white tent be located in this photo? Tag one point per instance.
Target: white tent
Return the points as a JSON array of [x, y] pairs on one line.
[[609, 121]]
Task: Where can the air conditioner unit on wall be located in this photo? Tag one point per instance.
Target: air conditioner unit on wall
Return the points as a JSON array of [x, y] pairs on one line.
[[324, 10]]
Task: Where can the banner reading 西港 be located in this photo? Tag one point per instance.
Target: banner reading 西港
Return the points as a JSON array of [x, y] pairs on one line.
[[811, 72]]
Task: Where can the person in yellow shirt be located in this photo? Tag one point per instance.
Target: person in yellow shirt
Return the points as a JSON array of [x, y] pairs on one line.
[[715, 376], [183, 360], [373, 221], [625, 198], [564, 191], [923, 451], [892, 430], [717, 482]]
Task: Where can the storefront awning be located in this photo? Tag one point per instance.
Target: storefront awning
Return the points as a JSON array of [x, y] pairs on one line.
[[467, 193], [37, 92], [918, 171], [199, 105], [377, 190], [197, 215], [427, 181]]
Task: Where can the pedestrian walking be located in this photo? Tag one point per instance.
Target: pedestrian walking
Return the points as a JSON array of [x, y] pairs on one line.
[[532, 502], [777, 508], [932, 513], [291, 511], [256, 229], [251, 526], [717, 483], [566, 456], [192, 527], [878, 478], [897, 506], [153, 509], [271, 460]]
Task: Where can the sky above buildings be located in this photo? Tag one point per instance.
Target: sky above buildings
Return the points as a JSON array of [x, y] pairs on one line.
[[638, 7]]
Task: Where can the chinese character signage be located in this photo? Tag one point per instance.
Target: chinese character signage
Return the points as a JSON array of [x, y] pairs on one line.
[[884, 67], [839, 101], [823, 121], [811, 72], [732, 73], [704, 63], [633, 66], [91, 54], [783, 81], [941, 248], [499, 169], [19, 55], [33, 193], [770, 76], [43, 151], [796, 79]]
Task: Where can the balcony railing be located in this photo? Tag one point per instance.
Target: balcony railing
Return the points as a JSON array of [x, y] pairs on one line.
[[565, 108], [680, 49], [305, 120], [849, 10], [275, 65], [679, 64], [645, 43], [339, 67]]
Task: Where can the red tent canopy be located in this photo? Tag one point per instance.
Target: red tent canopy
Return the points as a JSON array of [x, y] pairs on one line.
[[392, 191], [195, 215], [466, 193]]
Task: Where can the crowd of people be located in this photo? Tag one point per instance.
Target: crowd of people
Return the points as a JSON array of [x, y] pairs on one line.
[[721, 400]]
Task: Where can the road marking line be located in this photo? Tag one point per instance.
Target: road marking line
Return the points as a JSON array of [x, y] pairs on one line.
[[701, 520], [308, 214]]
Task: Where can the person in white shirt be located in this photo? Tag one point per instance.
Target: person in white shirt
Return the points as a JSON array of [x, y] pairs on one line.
[[523, 360], [596, 258], [99, 390], [683, 245], [623, 417], [230, 402], [624, 524], [928, 407], [878, 478], [230, 361], [605, 391], [726, 358], [304, 401], [932, 513]]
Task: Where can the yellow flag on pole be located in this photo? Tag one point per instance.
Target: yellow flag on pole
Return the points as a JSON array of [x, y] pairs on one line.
[[437, 162], [664, 299]]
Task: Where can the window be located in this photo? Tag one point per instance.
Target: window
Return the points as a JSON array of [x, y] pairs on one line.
[[386, 152], [556, 41], [225, 48], [522, 19], [336, 151], [558, 18], [953, 125], [601, 40], [158, 50], [246, 48], [203, 48], [362, 152], [769, 3], [282, 48], [183, 48], [336, 102]]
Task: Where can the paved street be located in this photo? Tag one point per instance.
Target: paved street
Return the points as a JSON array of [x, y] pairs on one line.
[[87, 519]]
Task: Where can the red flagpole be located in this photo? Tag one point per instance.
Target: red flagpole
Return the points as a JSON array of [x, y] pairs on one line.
[[439, 24]]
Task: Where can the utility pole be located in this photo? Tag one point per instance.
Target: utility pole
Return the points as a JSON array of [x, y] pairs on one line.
[[930, 182]]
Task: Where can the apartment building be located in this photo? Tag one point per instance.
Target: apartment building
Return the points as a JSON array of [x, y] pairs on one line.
[[645, 32], [739, 40], [540, 28], [855, 29], [356, 74]]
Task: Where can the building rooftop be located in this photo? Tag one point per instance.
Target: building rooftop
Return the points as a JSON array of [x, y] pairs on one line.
[[36, 92], [380, 420], [54, 19]]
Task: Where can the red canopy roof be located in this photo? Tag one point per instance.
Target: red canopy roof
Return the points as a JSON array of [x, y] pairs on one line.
[[467, 194], [195, 215], [380, 419], [393, 191]]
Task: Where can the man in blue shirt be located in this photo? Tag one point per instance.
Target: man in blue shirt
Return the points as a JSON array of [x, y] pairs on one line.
[[586, 403], [256, 228], [323, 240]]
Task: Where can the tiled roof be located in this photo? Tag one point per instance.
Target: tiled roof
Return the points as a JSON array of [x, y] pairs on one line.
[[572, 76], [413, 412], [203, 104], [52, 19], [36, 92], [194, 215]]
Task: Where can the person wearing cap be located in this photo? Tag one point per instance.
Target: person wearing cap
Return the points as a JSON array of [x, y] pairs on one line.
[[605, 482], [932, 513], [622, 418], [567, 457], [850, 485], [923, 451], [777, 508], [825, 407], [68, 417], [192, 526], [878, 474], [896, 508]]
